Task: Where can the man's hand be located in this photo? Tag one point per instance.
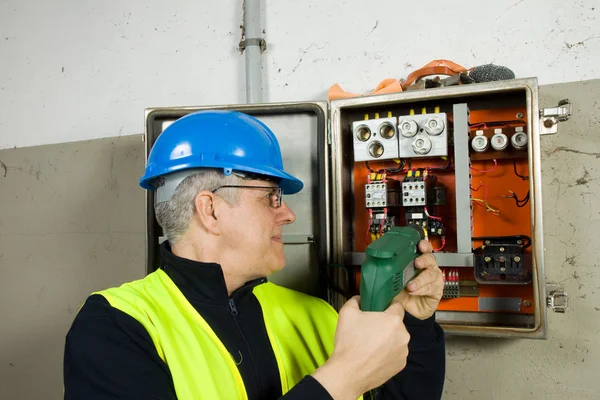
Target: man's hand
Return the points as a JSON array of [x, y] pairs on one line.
[[370, 348], [423, 294]]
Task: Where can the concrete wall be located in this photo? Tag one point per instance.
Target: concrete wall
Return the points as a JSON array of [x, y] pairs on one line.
[[71, 222], [83, 69]]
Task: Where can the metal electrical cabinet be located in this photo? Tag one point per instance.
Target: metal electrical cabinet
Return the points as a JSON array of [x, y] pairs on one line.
[[461, 161]]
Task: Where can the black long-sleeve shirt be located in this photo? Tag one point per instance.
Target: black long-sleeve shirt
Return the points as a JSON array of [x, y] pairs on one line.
[[109, 354]]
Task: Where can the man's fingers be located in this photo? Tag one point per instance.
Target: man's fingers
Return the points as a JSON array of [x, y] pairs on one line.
[[424, 261], [425, 290], [425, 246], [427, 276]]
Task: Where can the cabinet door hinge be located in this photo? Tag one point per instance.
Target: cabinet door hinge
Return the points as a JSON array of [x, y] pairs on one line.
[[556, 298], [550, 117]]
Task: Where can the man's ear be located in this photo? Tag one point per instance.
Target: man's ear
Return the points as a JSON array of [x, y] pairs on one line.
[[205, 211]]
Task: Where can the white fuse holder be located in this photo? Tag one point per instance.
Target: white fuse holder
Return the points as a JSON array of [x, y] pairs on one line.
[[480, 143], [499, 140], [519, 139]]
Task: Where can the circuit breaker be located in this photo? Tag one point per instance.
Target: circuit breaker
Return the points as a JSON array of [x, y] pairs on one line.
[[460, 162]]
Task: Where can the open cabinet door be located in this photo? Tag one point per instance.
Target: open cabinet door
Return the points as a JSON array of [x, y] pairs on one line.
[[301, 129], [463, 163]]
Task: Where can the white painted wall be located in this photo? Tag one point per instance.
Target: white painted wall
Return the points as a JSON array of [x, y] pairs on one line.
[[83, 69]]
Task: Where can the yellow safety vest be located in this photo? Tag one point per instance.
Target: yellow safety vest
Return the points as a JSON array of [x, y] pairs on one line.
[[301, 329]]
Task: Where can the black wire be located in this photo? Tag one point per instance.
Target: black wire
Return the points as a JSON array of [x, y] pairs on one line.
[[396, 170], [445, 167], [369, 168], [525, 178], [521, 203]]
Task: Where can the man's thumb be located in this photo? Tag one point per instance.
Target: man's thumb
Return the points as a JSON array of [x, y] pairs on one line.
[[397, 304], [354, 302]]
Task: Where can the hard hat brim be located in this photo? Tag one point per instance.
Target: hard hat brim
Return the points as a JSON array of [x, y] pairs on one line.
[[289, 183]]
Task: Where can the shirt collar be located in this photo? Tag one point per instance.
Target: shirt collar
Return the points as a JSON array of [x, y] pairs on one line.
[[201, 281]]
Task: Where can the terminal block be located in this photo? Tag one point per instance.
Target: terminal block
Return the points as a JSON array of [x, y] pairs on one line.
[[451, 284], [375, 139]]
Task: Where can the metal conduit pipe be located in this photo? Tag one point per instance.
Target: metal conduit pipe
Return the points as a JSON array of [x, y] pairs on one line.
[[253, 45]]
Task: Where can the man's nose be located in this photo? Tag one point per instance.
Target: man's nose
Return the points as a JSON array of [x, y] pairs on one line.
[[286, 215]]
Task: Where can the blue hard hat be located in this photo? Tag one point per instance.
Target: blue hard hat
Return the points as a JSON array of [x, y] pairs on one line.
[[229, 140]]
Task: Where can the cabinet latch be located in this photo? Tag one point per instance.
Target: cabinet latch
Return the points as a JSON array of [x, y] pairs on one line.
[[550, 117], [556, 298]]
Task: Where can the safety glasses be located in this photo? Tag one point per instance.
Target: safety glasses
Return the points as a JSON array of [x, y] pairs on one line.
[[275, 193]]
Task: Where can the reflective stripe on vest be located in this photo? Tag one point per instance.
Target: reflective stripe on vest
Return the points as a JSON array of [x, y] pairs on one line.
[[301, 329]]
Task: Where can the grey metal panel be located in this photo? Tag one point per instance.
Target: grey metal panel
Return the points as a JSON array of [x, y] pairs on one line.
[[454, 259], [463, 178], [301, 129], [298, 238], [483, 319], [500, 304], [443, 259]]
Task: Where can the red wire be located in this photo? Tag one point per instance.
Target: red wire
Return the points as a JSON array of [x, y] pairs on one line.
[[481, 124], [479, 187], [489, 170], [442, 246], [486, 205], [432, 216], [484, 125]]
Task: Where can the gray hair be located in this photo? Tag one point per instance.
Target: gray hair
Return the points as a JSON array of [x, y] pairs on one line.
[[175, 214]]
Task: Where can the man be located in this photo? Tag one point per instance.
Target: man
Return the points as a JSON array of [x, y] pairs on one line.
[[208, 324]]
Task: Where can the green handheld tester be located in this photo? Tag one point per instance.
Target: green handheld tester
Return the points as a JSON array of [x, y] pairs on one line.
[[389, 267]]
